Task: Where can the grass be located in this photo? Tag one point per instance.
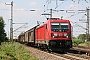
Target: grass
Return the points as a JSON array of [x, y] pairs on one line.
[[85, 44], [14, 51]]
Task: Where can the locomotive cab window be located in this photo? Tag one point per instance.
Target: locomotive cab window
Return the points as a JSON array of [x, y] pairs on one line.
[[59, 27]]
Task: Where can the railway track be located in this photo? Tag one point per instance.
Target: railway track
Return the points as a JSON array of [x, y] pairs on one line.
[[82, 49], [46, 55], [78, 55], [70, 56]]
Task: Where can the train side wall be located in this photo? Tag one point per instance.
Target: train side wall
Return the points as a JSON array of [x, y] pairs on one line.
[[31, 35], [26, 36], [21, 38], [40, 33]]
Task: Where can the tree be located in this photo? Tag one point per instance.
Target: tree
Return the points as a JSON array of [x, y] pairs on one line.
[[2, 31], [73, 37], [82, 36]]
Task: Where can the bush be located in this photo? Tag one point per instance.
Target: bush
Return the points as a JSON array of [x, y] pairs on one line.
[[76, 42], [14, 51]]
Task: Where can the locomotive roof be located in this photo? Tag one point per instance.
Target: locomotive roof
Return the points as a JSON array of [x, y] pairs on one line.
[[56, 20]]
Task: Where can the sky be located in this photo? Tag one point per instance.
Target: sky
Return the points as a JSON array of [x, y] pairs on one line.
[[23, 15]]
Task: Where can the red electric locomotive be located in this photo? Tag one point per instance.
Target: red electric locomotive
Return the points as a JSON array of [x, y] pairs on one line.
[[55, 34]]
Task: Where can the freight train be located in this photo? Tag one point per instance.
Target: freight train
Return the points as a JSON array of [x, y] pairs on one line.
[[54, 35]]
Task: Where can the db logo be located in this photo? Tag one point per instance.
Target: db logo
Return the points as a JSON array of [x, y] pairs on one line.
[[60, 34]]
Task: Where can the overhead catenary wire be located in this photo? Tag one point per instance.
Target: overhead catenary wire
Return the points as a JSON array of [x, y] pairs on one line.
[[78, 25], [58, 5]]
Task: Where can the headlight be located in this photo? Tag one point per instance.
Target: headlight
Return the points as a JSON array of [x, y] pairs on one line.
[[66, 35], [54, 35]]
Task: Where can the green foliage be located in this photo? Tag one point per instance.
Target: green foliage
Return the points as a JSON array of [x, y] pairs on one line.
[[76, 42], [82, 36], [14, 51], [2, 31], [73, 37]]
